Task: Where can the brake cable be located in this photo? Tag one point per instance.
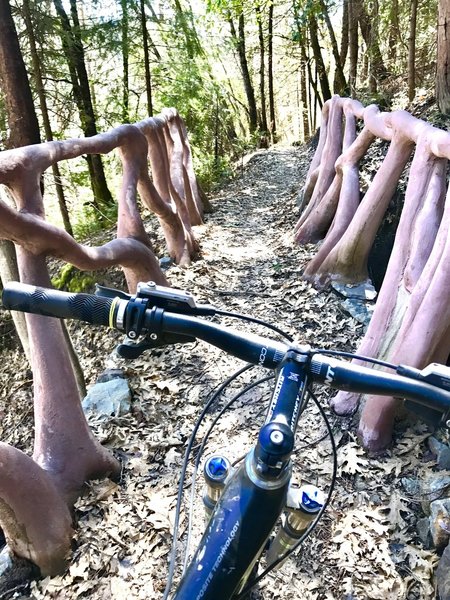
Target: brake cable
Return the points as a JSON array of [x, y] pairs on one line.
[[173, 552], [202, 448]]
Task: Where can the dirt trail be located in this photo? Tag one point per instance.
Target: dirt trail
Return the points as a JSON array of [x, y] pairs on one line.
[[366, 545]]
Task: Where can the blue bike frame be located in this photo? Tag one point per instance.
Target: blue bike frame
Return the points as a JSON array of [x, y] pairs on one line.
[[254, 498], [252, 501]]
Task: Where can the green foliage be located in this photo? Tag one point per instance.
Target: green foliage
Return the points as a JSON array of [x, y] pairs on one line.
[[185, 80], [195, 68], [90, 220], [382, 98], [71, 279]]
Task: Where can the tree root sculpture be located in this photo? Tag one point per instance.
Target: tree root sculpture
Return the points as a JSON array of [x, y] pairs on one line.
[[37, 494], [411, 320]]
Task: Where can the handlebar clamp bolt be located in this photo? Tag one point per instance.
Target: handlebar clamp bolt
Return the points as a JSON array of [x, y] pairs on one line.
[[277, 438]]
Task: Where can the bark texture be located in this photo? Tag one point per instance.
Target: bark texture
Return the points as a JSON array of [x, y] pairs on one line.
[[443, 58]]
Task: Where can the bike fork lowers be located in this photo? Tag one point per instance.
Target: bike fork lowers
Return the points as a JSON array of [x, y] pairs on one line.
[[252, 501]]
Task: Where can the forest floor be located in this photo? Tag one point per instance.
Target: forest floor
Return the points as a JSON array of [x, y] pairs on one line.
[[365, 547]]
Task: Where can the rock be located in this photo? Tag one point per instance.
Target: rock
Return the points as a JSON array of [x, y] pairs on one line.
[[359, 310], [434, 488], [443, 575], [435, 445], [442, 453], [411, 486], [5, 560], [165, 262], [440, 522], [109, 398], [423, 530], [443, 460], [110, 374], [362, 291], [16, 574]]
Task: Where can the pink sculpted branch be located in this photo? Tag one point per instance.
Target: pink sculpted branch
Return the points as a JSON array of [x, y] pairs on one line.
[[37, 494], [411, 320]]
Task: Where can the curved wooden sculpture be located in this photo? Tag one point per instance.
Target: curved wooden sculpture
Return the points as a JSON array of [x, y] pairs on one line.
[[36, 494], [411, 320]]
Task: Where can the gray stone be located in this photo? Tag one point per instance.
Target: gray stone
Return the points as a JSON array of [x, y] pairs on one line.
[[436, 486], [440, 522], [165, 262], [442, 453], [435, 445], [109, 398], [362, 291], [423, 530], [443, 575], [444, 459], [411, 485], [109, 374], [5, 560], [359, 310]]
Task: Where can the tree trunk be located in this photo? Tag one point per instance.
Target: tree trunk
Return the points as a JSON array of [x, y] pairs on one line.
[[378, 68], [373, 81], [344, 34], [9, 272], [125, 53], [74, 52], [394, 34], [320, 65], [304, 96], [262, 67], [353, 17], [412, 50], [24, 129], [186, 25], [340, 83], [148, 78], [22, 119], [248, 86], [272, 124], [39, 83], [443, 58]]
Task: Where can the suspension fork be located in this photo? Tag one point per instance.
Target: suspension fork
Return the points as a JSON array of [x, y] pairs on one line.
[[252, 500]]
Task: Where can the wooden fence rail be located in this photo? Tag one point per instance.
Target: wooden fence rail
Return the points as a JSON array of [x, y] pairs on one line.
[[411, 321], [36, 493]]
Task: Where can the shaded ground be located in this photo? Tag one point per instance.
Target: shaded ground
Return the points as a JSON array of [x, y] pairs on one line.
[[365, 548]]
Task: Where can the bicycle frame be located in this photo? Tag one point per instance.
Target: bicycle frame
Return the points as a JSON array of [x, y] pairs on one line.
[[252, 500]]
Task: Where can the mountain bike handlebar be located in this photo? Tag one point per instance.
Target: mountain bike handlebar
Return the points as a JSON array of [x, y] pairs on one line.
[[256, 493], [136, 315]]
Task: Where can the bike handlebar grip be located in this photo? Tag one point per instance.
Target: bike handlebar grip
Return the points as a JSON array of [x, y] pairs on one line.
[[54, 303]]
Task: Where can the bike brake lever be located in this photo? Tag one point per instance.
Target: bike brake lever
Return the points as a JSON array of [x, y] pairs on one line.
[[172, 299], [107, 292], [433, 417], [130, 349], [168, 298]]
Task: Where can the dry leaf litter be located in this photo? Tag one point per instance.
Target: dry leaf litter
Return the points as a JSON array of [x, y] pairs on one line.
[[366, 546]]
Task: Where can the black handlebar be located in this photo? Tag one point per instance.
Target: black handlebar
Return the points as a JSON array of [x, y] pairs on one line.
[[343, 375], [53, 303], [115, 312], [254, 349]]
